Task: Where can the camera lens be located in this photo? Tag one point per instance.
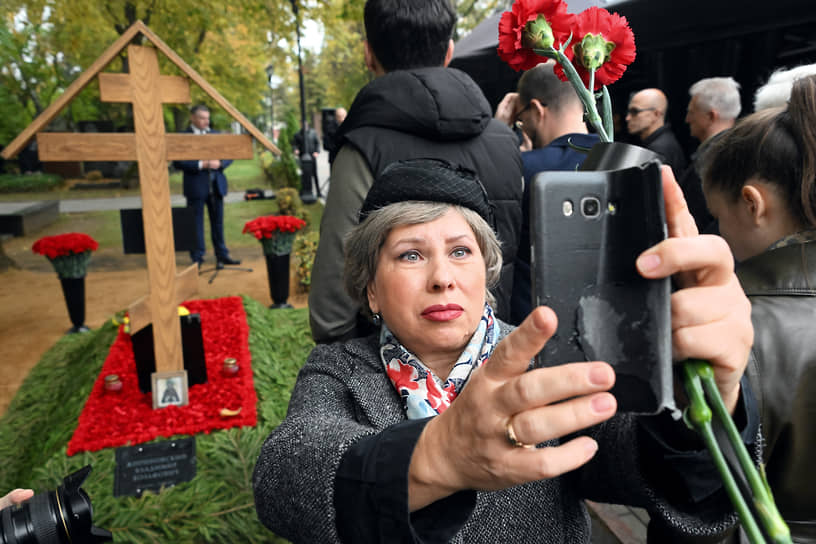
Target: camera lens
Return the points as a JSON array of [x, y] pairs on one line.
[[53, 517], [590, 206]]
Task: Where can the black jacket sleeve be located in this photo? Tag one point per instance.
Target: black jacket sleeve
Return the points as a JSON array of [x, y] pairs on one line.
[[371, 493]]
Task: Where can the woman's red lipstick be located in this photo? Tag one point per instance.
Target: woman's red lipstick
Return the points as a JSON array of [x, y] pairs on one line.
[[442, 312]]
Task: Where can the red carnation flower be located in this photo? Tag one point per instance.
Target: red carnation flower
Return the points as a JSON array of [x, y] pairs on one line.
[[61, 245], [267, 226], [514, 48], [591, 24]]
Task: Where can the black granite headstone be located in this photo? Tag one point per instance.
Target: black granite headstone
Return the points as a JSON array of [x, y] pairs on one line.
[[192, 348]]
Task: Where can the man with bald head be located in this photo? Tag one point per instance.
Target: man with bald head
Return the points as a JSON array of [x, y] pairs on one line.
[[646, 122]]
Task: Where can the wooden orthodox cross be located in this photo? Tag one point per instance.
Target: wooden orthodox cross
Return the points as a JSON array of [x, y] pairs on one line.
[[152, 148]]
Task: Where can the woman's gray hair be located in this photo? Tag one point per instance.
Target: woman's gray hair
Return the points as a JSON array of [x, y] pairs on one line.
[[364, 242]]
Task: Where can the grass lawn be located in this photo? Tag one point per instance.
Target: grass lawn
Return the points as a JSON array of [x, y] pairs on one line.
[[241, 174], [105, 227], [217, 505]]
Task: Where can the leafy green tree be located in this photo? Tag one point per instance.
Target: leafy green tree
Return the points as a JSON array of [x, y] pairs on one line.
[[229, 44], [46, 44]]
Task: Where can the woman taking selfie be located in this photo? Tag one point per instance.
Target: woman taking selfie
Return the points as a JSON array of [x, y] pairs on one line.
[[760, 183], [427, 431]]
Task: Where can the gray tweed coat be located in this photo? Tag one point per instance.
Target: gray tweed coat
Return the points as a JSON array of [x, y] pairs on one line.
[[343, 394]]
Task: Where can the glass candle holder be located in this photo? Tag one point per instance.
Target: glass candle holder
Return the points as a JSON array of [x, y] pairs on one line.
[[112, 383], [230, 367]]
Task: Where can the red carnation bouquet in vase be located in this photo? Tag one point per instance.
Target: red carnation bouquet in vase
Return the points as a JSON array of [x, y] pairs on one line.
[[69, 253], [592, 50], [275, 232]]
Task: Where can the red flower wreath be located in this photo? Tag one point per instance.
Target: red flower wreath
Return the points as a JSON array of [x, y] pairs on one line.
[[597, 24], [515, 42]]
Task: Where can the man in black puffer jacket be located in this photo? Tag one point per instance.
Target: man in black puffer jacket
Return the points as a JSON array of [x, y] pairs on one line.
[[415, 108]]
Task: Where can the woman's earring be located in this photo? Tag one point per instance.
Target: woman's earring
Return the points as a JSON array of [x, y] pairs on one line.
[[377, 319]]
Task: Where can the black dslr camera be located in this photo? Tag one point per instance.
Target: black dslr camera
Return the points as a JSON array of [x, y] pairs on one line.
[[60, 516]]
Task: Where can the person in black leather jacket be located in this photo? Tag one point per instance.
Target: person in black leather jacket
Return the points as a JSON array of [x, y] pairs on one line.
[[759, 183]]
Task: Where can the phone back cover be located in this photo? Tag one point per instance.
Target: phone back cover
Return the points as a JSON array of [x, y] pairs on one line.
[[584, 269]]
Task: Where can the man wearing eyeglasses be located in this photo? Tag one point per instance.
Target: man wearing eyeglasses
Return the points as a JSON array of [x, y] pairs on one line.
[[646, 123], [551, 116]]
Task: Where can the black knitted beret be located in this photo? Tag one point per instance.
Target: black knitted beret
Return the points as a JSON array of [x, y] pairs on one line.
[[430, 180]]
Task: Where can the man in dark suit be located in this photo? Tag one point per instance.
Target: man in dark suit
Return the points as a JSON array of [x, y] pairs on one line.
[[646, 123], [206, 184], [307, 149]]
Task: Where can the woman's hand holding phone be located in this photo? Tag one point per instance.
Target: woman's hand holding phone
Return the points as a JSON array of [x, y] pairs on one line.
[[711, 316]]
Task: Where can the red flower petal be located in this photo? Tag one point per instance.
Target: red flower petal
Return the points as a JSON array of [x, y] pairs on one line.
[[511, 30], [266, 226], [70, 243]]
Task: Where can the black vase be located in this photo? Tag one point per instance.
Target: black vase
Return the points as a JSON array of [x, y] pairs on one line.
[[616, 156], [73, 289], [277, 273]]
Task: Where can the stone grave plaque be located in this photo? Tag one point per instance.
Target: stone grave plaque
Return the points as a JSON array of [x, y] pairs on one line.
[[151, 466]]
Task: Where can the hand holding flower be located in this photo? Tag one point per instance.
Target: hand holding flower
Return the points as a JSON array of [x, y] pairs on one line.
[[711, 316]]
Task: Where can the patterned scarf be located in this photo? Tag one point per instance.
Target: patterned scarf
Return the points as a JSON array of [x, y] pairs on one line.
[[424, 394]]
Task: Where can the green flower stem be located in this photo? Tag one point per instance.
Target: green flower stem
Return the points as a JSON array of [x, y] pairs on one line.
[[606, 109], [699, 415], [763, 498], [698, 378], [591, 85], [280, 243], [586, 96], [73, 265]]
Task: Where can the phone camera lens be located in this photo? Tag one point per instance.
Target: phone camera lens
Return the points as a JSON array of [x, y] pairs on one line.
[[590, 206]]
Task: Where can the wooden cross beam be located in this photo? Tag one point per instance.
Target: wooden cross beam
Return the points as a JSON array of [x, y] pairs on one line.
[[147, 90]]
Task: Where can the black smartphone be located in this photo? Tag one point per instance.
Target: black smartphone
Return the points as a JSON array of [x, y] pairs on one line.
[[587, 230]]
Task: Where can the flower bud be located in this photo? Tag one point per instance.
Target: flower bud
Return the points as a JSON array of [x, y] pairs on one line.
[[593, 51], [538, 34]]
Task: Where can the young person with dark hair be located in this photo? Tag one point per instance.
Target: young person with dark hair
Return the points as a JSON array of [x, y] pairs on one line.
[[406, 34], [414, 108], [759, 182]]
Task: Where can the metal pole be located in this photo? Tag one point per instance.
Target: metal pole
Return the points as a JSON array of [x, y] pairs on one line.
[[306, 193]]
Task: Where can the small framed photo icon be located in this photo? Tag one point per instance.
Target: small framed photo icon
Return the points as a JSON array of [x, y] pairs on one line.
[[169, 389]]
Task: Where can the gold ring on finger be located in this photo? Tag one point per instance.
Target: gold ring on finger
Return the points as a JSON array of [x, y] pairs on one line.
[[510, 434]]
